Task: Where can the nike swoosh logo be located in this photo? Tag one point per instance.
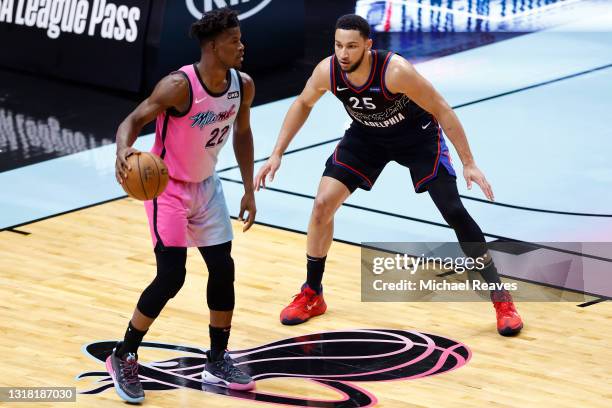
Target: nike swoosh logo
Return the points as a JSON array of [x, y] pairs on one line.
[[426, 126], [341, 89], [311, 306], [200, 100]]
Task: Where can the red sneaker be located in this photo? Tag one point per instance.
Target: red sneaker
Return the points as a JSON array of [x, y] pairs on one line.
[[509, 322], [305, 305]]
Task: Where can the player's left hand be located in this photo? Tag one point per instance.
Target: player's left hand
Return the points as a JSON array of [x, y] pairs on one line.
[[247, 204], [472, 173]]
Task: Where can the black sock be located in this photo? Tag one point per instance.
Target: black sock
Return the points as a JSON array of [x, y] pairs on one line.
[[219, 337], [314, 272], [131, 340]]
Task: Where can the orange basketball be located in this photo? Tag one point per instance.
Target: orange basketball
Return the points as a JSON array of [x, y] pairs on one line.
[[147, 178]]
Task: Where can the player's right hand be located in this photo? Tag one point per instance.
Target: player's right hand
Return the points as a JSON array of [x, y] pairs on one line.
[[121, 164], [268, 169]]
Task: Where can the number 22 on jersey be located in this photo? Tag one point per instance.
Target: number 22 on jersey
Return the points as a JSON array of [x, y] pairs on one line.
[[213, 141]]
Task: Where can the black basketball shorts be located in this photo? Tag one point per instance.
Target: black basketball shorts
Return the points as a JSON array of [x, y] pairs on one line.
[[360, 156]]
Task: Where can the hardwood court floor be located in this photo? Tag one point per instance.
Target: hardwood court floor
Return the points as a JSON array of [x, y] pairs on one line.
[[77, 277]]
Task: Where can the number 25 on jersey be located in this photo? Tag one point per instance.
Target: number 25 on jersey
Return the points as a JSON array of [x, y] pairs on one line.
[[363, 103]]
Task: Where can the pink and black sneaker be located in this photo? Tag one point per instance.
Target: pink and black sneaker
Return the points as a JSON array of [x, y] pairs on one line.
[[124, 372]]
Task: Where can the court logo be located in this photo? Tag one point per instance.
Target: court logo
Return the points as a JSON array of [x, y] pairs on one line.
[[331, 359], [245, 8]]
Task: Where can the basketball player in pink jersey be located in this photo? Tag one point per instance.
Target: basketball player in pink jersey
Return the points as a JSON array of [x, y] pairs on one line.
[[196, 109]]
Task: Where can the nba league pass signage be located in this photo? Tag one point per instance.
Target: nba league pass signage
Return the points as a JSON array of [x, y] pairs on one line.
[[81, 17], [95, 41]]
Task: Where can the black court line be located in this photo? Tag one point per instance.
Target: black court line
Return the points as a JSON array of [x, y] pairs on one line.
[[517, 207], [265, 224], [537, 85], [592, 302], [438, 224], [446, 274], [548, 285], [18, 231]]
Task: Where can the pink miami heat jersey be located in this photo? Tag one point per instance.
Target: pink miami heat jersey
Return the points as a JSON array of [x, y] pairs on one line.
[[189, 142]]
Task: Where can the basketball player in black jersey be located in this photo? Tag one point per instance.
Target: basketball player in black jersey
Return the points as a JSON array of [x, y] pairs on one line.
[[397, 116]]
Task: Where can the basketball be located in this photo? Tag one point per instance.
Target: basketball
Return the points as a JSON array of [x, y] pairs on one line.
[[147, 178]]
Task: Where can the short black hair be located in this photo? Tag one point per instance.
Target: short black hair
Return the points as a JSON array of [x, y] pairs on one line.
[[354, 22], [214, 23]]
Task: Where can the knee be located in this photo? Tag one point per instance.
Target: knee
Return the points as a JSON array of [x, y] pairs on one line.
[[221, 274], [322, 210], [455, 213], [219, 261], [221, 269], [170, 271], [167, 283], [175, 283]]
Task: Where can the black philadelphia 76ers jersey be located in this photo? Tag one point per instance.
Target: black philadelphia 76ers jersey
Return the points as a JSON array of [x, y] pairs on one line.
[[371, 106]]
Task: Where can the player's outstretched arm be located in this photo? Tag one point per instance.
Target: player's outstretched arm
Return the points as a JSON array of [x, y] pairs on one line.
[[401, 77], [171, 92], [243, 149], [317, 85]]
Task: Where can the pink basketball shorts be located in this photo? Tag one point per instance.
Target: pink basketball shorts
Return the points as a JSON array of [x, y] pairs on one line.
[[190, 214]]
